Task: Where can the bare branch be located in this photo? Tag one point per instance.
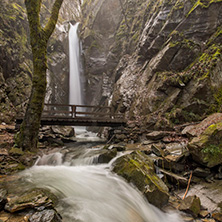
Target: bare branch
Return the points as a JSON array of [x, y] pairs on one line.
[[50, 26]]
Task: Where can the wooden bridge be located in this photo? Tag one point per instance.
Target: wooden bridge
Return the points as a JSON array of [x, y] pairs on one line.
[[79, 115]]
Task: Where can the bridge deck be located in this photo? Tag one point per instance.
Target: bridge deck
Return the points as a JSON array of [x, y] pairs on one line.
[[78, 115]]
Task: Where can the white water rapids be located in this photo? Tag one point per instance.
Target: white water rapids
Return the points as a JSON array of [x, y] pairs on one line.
[[91, 192]]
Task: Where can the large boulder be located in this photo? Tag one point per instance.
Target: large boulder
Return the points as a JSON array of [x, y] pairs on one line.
[[138, 169], [206, 149], [191, 204], [66, 131], [31, 199]]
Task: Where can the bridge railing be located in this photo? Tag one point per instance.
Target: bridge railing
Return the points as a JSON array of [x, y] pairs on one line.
[[80, 111]]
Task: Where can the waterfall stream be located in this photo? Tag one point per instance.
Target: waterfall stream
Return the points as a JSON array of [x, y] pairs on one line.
[[89, 191], [74, 66]]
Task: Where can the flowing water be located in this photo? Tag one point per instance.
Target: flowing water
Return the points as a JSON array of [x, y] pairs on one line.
[[89, 191], [74, 66]]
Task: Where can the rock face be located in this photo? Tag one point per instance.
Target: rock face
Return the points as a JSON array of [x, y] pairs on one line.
[[165, 64], [138, 169], [15, 59], [15, 56]]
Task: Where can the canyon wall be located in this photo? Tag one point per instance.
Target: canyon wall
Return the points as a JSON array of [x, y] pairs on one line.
[[161, 59]]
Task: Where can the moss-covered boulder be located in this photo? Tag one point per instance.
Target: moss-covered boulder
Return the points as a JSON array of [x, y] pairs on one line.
[[107, 155], [138, 169], [206, 149], [191, 204]]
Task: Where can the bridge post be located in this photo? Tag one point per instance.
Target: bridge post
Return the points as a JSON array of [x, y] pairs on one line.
[[73, 111]]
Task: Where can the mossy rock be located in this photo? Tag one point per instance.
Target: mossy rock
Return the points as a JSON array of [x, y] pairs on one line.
[[207, 147], [138, 169], [107, 155], [31, 199], [16, 151], [191, 204]]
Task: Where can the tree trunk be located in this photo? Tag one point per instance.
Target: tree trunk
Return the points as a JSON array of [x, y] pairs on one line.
[[29, 130], [27, 138]]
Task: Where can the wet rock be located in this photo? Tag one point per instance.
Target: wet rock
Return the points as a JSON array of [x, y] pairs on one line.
[[107, 155], [48, 215], [217, 216], [200, 172], [138, 169], [147, 142], [16, 151], [206, 149], [171, 163], [177, 149], [8, 217], [204, 213], [3, 152], [118, 147], [157, 149], [66, 131], [3, 199], [191, 205], [31, 199], [197, 129], [208, 220], [157, 135]]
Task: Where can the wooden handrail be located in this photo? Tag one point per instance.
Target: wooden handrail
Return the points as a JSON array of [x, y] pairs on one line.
[[80, 106], [71, 110]]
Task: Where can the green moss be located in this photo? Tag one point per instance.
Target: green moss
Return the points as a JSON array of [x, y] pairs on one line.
[[217, 107], [202, 4], [16, 151], [211, 145]]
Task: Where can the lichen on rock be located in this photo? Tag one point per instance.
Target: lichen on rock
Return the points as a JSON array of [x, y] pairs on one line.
[[138, 169], [207, 147]]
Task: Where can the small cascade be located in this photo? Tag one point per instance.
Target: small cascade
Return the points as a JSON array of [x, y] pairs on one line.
[[75, 91], [90, 192], [53, 159]]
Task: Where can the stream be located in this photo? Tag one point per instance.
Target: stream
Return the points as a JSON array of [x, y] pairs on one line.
[[89, 191]]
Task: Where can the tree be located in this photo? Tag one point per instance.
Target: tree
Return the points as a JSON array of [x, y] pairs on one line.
[[27, 138]]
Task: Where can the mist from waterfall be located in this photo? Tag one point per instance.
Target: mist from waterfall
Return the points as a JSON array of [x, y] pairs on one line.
[[75, 91]]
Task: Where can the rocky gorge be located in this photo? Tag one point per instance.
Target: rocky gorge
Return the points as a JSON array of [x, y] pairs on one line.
[[159, 63]]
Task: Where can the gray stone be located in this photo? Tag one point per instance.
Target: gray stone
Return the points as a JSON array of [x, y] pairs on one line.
[[48, 215], [107, 155], [200, 172], [191, 204], [66, 131], [157, 149], [156, 135], [3, 199], [31, 199]]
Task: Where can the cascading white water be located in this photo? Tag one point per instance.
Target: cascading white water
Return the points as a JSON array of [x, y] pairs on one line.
[[92, 193], [75, 94]]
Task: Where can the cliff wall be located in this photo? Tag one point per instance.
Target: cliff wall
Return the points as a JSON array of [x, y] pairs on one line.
[[166, 64]]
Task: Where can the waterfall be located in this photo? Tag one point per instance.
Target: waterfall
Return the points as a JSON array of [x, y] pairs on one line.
[[75, 94], [92, 193]]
